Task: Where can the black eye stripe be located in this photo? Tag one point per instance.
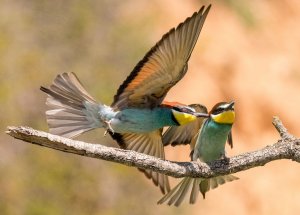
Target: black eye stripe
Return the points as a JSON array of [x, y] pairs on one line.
[[187, 110], [218, 110], [176, 108]]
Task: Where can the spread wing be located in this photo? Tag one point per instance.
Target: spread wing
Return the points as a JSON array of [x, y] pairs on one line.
[[178, 135], [147, 143], [162, 67]]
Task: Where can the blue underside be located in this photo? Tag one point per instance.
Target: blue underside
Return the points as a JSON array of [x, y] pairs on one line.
[[142, 120]]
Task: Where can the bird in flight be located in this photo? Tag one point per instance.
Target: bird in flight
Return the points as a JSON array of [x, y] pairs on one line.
[[138, 113]]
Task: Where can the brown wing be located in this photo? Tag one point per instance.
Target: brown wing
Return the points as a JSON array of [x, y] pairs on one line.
[[162, 67], [148, 143], [182, 135]]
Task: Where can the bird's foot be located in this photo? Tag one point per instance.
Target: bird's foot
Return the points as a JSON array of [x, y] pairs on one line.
[[109, 128], [105, 133], [225, 158]]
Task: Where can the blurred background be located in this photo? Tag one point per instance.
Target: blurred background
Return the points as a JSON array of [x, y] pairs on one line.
[[248, 52]]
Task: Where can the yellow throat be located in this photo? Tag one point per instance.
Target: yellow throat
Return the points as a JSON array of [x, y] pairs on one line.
[[226, 117], [183, 118]]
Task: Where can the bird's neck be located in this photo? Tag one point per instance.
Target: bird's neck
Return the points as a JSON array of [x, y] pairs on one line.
[[165, 116]]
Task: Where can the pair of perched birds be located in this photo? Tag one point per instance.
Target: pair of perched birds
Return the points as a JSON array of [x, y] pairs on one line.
[[138, 113]]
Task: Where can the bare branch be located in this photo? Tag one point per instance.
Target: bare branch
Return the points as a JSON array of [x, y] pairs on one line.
[[281, 129], [288, 147]]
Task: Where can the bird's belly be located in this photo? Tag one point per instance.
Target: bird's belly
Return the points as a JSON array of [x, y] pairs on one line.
[[211, 143], [135, 123], [211, 149], [131, 126]]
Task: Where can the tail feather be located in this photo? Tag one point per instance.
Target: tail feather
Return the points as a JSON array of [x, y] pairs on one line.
[[212, 183], [68, 84], [171, 196], [183, 191], [177, 194], [204, 187], [73, 110], [221, 180], [195, 191]]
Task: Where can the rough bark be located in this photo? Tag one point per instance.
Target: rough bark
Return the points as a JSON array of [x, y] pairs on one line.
[[287, 147]]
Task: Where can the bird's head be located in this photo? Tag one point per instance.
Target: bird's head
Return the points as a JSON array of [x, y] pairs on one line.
[[223, 113], [183, 114]]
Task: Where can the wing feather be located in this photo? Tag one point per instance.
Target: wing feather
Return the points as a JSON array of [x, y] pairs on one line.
[[185, 134], [162, 67], [147, 143]]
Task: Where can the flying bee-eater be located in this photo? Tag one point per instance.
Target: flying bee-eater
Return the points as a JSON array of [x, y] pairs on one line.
[[207, 138], [137, 115]]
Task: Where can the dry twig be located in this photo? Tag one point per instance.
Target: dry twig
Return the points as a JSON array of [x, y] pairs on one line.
[[287, 147]]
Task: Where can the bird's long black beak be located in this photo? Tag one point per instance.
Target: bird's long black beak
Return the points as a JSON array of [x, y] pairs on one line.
[[204, 115], [231, 106]]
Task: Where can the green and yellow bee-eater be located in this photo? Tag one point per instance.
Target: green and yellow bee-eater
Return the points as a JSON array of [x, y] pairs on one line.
[[207, 138]]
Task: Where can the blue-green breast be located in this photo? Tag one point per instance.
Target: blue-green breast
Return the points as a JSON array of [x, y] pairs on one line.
[[142, 120], [211, 141]]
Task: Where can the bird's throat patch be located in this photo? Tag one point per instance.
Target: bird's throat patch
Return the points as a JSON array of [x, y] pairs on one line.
[[183, 118], [226, 117]]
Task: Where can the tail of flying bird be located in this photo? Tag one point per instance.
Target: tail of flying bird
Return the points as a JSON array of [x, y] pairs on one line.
[[73, 110]]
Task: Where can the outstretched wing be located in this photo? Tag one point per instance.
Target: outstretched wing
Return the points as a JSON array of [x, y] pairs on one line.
[[162, 67], [183, 135], [150, 144]]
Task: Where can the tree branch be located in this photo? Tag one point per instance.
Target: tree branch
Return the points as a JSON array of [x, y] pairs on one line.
[[288, 147]]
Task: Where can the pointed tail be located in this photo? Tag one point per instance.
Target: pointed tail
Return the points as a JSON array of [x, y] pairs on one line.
[[178, 193], [73, 110]]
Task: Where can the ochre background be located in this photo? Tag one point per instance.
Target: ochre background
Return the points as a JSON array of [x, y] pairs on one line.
[[248, 52]]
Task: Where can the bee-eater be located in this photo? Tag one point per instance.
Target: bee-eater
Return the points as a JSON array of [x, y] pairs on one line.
[[136, 117], [207, 138]]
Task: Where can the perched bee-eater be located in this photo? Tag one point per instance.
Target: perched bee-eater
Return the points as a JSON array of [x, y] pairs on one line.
[[136, 117], [207, 138]]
